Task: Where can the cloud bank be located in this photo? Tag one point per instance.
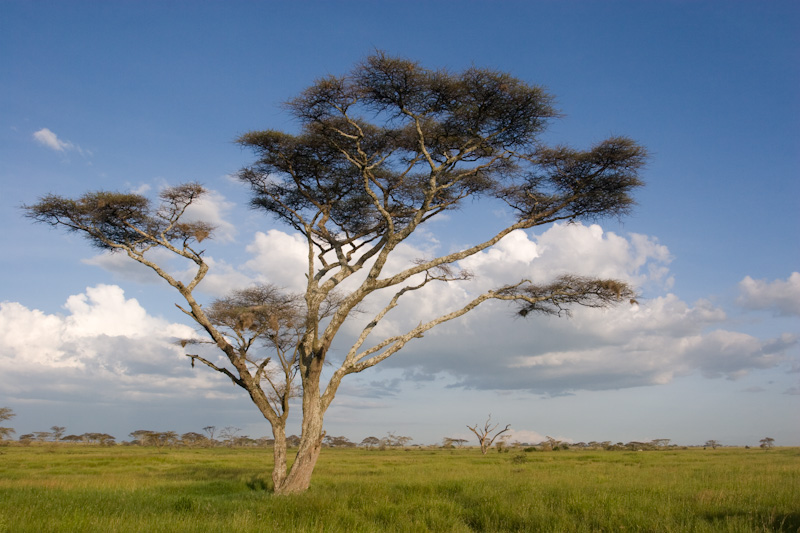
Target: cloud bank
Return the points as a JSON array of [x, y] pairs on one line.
[[105, 347], [660, 338]]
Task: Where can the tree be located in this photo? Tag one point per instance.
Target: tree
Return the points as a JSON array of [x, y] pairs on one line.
[[194, 439], [103, 439], [6, 413], [338, 442], [450, 442], [58, 432], [712, 444], [356, 190], [42, 436], [370, 442], [767, 443], [210, 430], [485, 437], [394, 441], [143, 437], [229, 435]]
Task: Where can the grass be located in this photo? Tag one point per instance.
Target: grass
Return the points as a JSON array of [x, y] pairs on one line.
[[132, 489]]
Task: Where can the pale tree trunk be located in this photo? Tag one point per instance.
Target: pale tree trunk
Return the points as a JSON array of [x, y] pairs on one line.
[[299, 476], [279, 456]]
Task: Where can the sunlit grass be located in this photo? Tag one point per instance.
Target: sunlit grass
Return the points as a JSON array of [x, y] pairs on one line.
[[73, 489]]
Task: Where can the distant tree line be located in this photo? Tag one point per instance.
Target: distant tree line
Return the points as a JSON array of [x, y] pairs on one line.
[[229, 436]]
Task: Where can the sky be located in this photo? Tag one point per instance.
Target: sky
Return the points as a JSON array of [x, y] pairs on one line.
[[137, 96]]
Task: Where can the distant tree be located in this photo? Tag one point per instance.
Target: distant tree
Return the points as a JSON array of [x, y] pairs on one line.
[[103, 439], [42, 436], [5, 433], [356, 191], [767, 443], [370, 442], [144, 437], [550, 444], [6, 413], [166, 438], [265, 441], [228, 435], [57, 432], [243, 440], [394, 441], [500, 445], [712, 444], [193, 439], [26, 438], [449, 442], [660, 443], [210, 430], [71, 438], [485, 437], [338, 442]]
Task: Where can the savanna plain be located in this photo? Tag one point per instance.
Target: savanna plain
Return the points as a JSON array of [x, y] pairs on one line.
[[73, 488]]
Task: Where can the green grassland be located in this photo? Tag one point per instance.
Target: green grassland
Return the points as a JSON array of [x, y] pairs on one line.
[[55, 488]]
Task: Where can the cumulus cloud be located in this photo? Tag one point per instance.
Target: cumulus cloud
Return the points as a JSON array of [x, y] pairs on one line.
[[279, 258], [105, 346], [648, 343], [782, 297], [573, 248], [530, 437], [47, 138], [629, 346], [652, 342]]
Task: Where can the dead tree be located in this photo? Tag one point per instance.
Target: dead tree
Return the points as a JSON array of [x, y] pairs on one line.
[[485, 437]]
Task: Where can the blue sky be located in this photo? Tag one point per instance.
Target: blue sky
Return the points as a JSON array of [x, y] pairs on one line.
[[139, 95]]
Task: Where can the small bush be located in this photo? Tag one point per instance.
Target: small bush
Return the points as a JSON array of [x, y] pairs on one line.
[[519, 458]]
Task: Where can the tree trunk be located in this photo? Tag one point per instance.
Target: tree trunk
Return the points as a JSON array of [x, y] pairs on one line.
[[299, 477], [279, 455]]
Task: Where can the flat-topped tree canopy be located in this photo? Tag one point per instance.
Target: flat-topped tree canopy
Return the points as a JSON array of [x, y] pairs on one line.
[[390, 145]]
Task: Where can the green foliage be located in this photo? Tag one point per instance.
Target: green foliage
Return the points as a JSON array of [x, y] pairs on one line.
[[126, 489]]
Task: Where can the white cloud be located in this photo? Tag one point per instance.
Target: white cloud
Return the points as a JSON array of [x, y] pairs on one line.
[[629, 346], [106, 347], [213, 209], [649, 343], [573, 248], [530, 436], [782, 297], [47, 138], [279, 258]]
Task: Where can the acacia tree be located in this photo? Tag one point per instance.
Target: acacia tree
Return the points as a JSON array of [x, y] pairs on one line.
[[381, 152], [58, 432], [6, 413], [485, 437]]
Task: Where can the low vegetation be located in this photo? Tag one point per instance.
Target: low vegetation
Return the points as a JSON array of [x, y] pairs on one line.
[[59, 487]]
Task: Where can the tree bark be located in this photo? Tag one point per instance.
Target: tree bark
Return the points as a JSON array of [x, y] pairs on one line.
[[279, 456], [299, 476]]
